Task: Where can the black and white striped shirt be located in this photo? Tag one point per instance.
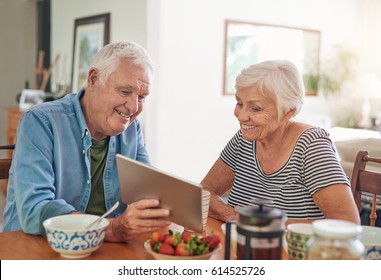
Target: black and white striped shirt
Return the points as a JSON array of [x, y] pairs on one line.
[[313, 165]]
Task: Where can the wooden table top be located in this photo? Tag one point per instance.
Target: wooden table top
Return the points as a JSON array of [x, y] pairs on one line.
[[17, 245]]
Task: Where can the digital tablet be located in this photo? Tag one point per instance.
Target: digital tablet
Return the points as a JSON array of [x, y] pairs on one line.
[[182, 197]]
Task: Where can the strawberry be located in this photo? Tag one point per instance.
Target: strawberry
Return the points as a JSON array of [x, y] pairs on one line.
[[181, 249], [173, 240], [157, 236], [199, 249], [186, 236], [156, 246], [212, 240], [170, 240], [166, 249]]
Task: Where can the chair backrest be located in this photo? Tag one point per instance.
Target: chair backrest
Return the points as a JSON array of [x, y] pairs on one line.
[[5, 163], [366, 181]]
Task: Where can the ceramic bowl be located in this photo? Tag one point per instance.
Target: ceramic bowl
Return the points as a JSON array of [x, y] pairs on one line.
[[371, 238], [67, 235], [158, 256]]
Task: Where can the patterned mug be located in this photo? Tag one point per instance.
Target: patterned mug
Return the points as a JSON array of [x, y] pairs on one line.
[[297, 236]]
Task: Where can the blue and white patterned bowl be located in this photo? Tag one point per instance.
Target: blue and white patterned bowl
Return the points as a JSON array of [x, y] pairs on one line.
[[371, 238], [67, 235]]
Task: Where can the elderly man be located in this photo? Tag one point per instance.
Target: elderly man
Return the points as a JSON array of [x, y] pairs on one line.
[[64, 161]]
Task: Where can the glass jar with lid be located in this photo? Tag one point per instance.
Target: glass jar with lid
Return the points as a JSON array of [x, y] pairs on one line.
[[335, 240]]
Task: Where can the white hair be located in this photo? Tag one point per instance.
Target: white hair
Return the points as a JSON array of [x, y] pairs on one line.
[[277, 79], [108, 58]]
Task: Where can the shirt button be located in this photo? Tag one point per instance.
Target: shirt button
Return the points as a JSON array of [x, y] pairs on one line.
[[88, 182], [83, 151]]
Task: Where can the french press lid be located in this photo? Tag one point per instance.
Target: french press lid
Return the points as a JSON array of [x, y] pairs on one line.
[[259, 214]]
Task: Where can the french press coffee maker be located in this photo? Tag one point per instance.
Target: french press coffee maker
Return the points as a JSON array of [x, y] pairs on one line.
[[259, 232]]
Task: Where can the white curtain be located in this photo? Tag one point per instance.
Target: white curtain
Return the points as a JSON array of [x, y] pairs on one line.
[[370, 36]]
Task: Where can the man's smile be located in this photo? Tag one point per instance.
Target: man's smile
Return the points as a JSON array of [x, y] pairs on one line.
[[122, 114]]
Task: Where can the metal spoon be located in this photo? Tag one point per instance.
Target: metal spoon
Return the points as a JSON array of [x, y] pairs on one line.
[[112, 209]]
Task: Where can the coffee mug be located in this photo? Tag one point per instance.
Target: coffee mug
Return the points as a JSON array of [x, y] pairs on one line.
[[297, 236], [205, 208], [205, 201]]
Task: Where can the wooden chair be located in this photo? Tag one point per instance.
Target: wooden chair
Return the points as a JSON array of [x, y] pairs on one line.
[[366, 181], [5, 165]]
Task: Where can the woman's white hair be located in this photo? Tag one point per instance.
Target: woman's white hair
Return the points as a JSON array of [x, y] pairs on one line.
[[277, 79], [108, 58]]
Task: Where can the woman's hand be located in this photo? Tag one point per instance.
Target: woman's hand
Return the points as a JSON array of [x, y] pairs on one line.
[[220, 210], [140, 217]]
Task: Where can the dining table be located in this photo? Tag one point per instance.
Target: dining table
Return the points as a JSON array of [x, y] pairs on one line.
[[17, 245]]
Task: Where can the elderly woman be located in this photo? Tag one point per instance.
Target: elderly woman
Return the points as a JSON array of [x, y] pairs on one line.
[[276, 158]]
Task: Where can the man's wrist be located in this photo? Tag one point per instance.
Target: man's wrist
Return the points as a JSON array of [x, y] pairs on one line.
[[111, 232]]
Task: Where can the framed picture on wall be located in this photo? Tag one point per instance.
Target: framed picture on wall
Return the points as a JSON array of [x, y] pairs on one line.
[[90, 35], [247, 43]]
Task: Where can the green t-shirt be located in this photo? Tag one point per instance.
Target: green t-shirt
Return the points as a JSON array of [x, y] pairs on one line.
[[98, 153]]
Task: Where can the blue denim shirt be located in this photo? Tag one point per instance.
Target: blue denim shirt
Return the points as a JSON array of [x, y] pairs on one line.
[[50, 173]]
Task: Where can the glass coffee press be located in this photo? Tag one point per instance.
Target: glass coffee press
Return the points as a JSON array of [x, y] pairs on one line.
[[259, 232]]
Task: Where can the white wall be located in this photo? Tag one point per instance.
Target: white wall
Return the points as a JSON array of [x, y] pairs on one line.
[[18, 45], [193, 121], [187, 120], [128, 21]]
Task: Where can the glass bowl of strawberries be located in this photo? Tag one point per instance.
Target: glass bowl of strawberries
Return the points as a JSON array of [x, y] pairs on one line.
[[169, 245]]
